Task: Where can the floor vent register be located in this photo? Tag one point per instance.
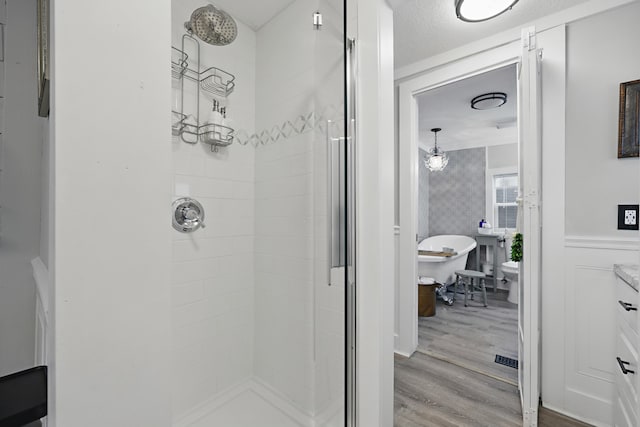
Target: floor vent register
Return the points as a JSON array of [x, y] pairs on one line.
[[507, 361]]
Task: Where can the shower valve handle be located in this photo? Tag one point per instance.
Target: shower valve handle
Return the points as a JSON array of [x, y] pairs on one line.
[[188, 215], [191, 214]]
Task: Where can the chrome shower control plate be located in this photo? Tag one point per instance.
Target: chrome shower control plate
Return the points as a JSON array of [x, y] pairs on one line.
[[188, 215]]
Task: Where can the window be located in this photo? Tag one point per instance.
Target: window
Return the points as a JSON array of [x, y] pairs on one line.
[[505, 193]]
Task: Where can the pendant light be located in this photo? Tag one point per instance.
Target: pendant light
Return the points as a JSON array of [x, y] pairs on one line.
[[482, 10], [436, 159]]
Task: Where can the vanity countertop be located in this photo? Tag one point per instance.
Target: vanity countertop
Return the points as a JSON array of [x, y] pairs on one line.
[[628, 273]]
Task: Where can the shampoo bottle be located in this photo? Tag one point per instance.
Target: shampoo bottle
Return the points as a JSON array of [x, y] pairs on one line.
[[215, 117]]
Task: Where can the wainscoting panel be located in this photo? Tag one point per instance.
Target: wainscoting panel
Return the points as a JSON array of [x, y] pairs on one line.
[[590, 324]]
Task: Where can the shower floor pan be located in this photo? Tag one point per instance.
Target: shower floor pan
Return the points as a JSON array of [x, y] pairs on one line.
[[248, 409], [253, 404]]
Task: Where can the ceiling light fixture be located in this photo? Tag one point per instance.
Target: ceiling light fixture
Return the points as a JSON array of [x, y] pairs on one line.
[[482, 10], [490, 100], [436, 159]]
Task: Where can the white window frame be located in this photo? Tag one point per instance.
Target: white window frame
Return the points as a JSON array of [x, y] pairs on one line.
[[491, 205]]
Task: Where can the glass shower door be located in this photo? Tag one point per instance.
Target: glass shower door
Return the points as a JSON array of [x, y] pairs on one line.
[[262, 293], [332, 225]]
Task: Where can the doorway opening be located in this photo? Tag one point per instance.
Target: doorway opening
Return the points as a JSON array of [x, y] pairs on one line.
[[525, 63], [467, 215]]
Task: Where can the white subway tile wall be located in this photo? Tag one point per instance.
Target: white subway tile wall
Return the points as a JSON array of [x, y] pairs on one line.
[[284, 203], [213, 293], [251, 291]]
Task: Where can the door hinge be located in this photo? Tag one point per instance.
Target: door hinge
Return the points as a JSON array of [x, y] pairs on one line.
[[529, 40], [317, 20], [532, 199]]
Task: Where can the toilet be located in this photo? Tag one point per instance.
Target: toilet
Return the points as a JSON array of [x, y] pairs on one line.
[[511, 270]]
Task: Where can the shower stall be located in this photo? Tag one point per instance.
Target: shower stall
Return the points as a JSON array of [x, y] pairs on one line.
[[263, 283]]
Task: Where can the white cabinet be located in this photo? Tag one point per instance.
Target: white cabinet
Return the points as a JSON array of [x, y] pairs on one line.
[[626, 371]]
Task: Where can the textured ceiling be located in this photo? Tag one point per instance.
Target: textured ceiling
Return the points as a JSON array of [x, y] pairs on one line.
[[423, 28], [448, 107], [254, 13]]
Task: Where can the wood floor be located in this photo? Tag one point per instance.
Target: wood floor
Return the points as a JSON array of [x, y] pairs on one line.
[[453, 380], [433, 393], [472, 336]]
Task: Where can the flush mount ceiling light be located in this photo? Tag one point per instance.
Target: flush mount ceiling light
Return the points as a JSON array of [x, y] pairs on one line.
[[436, 159], [482, 10], [490, 100]]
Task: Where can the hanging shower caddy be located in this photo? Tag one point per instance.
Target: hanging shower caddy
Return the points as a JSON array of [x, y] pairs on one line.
[[212, 82]]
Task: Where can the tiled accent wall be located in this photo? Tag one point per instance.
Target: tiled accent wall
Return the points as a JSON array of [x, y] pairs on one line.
[[457, 194], [213, 269], [423, 196]]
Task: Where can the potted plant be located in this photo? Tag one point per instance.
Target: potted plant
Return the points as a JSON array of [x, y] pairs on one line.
[[516, 248]]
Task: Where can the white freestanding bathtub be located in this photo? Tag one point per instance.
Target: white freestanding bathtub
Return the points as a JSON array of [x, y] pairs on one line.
[[442, 269]]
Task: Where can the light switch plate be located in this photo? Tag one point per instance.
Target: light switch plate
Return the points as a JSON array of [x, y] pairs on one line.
[[627, 217]]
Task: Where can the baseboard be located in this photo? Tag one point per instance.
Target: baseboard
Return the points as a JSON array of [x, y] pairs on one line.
[[403, 354], [574, 416]]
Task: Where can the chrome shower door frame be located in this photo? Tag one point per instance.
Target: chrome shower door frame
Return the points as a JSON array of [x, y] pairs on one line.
[[350, 270], [341, 185]]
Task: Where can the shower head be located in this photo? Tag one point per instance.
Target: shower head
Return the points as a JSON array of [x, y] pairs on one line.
[[212, 25]]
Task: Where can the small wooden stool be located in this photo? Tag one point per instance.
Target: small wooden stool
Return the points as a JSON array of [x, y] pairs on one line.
[[470, 278]]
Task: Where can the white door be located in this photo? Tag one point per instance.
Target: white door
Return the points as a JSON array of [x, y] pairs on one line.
[[529, 86]]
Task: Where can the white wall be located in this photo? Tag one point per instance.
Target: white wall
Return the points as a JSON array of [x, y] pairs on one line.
[[20, 182], [212, 270], [502, 156], [577, 362], [576, 324], [111, 299], [375, 213], [599, 58]]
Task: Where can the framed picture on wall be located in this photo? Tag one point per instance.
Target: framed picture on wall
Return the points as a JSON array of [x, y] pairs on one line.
[[43, 58], [629, 124]]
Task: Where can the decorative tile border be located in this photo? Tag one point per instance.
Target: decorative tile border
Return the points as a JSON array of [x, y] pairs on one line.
[[302, 124]]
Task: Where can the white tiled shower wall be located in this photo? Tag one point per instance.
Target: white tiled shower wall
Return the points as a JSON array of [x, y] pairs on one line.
[[299, 320], [250, 292], [329, 301], [212, 281], [284, 201]]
